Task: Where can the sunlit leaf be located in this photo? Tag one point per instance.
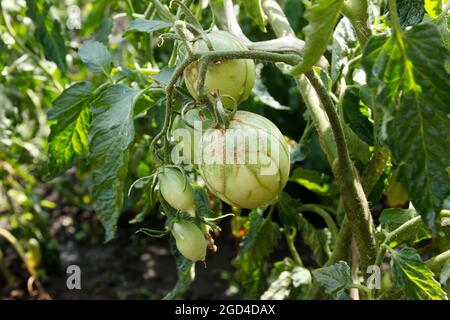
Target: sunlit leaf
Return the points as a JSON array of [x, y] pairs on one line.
[[314, 181], [322, 16], [412, 275], [68, 139]]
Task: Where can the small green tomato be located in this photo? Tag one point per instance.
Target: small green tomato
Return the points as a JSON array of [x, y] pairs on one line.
[[233, 78], [189, 240], [176, 190]]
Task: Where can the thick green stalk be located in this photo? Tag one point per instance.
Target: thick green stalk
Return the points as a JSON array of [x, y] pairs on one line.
[[435, 263], [354, 199]]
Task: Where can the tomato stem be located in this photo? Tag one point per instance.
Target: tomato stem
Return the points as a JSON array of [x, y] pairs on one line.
[[290, 234]]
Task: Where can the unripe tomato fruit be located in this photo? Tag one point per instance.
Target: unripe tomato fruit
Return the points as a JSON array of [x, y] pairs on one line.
[[229, 77], [176, 190], [250, 173], [189, 240]]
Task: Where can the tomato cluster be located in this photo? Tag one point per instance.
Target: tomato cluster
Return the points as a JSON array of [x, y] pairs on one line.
[[244, 160]]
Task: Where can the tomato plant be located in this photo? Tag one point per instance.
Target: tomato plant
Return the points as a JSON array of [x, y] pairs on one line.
[[316, 130]]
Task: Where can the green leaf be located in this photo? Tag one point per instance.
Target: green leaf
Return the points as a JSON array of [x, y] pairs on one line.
[[392, 218], [256, 246], [433, 7], [288, 209], [143, 25], [48, 32], [255, 11], [344, 43], [110, 137], [412, 275], [316, 182], [96, 56], [322, 16], [186, 273], [445, 273], [335, 279], [410, 12], [413, 89], [317, 239], [202, 203], [104, 31], [68, 139], [356, 114], [284, 278]]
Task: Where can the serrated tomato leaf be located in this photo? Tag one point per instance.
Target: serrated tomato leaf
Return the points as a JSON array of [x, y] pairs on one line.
[[48, 32], [110, 136], [68, 139], [412, 275], [322, 16], [335, 279], [413, 89]]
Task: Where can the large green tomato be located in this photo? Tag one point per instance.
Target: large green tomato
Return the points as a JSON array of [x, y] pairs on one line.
[[247, 164], [176, 190], [190, 240], [229, 77]]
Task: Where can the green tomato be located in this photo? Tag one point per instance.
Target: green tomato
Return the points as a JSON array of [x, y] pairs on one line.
[[247, 164], [229, 77], [176, 190], [190, 240]]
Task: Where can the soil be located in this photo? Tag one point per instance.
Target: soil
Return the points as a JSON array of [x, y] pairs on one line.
[[132, 266]]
